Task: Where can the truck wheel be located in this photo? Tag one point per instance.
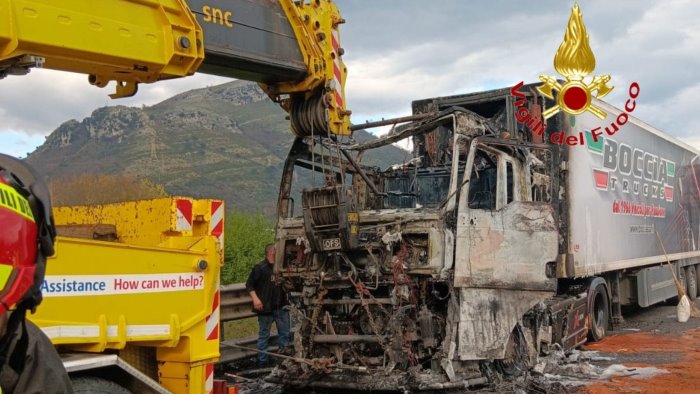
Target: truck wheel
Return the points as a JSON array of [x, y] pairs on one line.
[[599, 314], [91, 385], [691, 283], [517, 359]]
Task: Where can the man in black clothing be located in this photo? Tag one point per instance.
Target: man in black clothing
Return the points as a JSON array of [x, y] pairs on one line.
[[269, 299]]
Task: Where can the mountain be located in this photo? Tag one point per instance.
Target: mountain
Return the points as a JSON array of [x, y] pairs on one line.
[[227, 141]]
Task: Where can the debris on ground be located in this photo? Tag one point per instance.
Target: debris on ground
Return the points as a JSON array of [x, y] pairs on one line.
[[578, 368]]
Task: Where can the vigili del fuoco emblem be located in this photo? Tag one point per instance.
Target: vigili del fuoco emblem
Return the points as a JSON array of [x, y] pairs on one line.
[[575, 61]]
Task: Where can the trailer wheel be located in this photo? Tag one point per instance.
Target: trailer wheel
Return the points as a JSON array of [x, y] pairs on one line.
[[683, 280], [691, 283], [599, 314], [92, 385]]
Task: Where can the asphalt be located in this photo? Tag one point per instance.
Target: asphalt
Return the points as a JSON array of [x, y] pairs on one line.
[[650, 352], [650, 339]]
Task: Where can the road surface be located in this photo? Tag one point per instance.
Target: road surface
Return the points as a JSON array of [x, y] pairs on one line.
[[649, 353], [661, 344]]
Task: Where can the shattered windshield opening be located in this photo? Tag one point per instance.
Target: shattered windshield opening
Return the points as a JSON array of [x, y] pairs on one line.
[[425, 183], [416, 187], [419, 181]]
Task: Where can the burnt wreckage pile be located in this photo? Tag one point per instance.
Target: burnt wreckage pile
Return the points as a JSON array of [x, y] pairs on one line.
[[369, 263]]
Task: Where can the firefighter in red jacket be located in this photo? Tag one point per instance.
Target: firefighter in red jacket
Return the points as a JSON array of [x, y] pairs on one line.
[[29, 362]]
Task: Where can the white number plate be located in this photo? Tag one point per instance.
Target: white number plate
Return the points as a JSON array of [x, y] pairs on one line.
[[331, 244]]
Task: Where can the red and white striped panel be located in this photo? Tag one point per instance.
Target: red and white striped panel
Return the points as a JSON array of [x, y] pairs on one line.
[[211, 330], [183, 215], [216, 224], [209, 378], [337, 76], [216, 228]]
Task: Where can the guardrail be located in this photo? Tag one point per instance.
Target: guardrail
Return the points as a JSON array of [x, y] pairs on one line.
[[234, 353], [236, 303]]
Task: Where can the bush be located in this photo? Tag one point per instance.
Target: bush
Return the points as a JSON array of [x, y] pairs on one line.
[[245, 237]]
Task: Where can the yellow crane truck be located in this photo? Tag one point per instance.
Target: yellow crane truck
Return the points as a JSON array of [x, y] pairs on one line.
[[131, 297]]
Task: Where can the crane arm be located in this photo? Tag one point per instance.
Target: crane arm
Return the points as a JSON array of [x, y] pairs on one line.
[[291, 48]]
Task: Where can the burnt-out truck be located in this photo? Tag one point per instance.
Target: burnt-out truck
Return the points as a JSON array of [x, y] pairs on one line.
[[494, 241]]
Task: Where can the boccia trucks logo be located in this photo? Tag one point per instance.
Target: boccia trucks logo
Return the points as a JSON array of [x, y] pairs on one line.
[[574, 60], [625, 170]]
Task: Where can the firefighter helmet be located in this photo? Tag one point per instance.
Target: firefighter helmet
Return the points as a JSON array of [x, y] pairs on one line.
[[27, 234]]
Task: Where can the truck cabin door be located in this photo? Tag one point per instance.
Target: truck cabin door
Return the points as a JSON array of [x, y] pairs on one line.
[[506, 230], [506, 236]]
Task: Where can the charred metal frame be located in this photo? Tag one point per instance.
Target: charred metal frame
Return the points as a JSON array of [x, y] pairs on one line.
[[392, 302]]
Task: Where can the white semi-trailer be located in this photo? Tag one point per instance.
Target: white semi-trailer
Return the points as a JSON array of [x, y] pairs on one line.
[[496, 239]]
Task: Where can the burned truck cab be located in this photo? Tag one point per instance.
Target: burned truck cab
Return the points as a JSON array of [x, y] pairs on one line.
[[420, 271]]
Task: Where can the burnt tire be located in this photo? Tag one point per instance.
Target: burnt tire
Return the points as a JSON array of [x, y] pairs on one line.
[[92, 385], [598, 314], [691, 282], [516, 362]]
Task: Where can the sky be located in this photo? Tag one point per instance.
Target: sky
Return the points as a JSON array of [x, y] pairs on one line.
[[397, 51]]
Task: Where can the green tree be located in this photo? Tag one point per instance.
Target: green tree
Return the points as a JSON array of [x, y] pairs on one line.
[[245, 237]]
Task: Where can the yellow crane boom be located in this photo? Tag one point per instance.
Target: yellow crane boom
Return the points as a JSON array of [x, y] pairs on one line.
[[290, 47]]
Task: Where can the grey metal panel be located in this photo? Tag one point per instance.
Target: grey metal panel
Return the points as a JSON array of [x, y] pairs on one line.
[[618, 203], [654, 284], [254, 42]]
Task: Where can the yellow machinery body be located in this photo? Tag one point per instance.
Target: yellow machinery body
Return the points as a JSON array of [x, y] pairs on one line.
[[148, 292]]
